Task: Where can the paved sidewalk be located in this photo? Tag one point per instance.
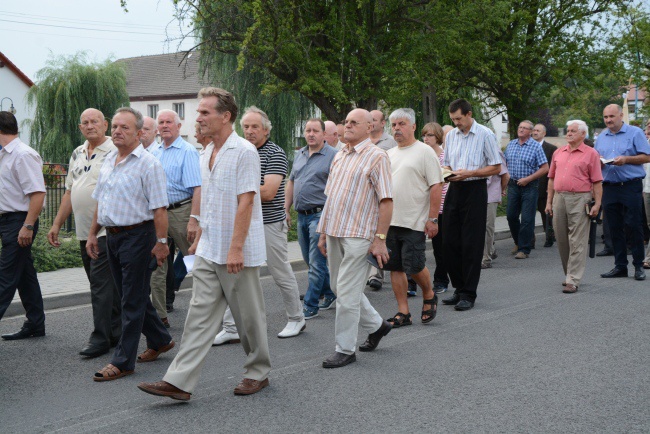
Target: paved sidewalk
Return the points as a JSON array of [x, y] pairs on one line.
[[69, 287]]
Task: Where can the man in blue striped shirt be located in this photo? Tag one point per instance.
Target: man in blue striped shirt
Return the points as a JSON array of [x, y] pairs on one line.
[[181, 163], [472, 155], [527, 163]]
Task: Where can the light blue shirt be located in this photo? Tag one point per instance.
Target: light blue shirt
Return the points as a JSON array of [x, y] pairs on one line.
[[473, 151], [628, 141], [181, 163]]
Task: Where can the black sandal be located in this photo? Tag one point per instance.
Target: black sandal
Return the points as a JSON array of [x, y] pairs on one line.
[[400, 319], [430, 314]]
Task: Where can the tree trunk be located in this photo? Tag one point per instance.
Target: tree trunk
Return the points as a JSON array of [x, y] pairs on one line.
[[429, 105]]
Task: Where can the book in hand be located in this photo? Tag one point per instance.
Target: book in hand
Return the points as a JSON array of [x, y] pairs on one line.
[[606, 160]]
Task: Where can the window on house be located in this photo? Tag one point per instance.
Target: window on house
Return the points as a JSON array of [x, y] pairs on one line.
[[179, 107], [152, 110]]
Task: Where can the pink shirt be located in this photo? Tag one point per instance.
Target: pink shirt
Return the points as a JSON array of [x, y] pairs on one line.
[[575, 170]]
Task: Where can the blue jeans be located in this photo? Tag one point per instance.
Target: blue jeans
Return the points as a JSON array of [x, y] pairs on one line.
[[319, 276], [522, 200]]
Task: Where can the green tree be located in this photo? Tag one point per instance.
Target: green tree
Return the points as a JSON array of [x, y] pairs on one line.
[[64, 89]]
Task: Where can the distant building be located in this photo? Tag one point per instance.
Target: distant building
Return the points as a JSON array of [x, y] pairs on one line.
[[14, 85], [166, 81]]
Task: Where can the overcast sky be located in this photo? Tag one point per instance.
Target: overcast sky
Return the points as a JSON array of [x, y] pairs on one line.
[[32, 29]]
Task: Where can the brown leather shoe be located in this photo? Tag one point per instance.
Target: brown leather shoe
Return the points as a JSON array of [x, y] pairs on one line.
[[248, 386], [570, 289], [163, 388], [150, 355]]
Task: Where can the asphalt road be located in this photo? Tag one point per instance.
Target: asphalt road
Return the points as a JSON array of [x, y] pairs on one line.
[[527, 358]]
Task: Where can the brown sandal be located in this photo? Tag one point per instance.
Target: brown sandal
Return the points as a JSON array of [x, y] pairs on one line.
[[109, 373], [150, 355]]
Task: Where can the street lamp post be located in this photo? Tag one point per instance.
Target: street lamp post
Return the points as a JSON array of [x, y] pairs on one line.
[[12, 109]]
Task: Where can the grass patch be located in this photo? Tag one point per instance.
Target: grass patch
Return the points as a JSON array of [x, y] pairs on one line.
[[292, 235]]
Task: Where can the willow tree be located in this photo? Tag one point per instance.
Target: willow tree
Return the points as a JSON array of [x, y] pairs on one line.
[[64, 89]]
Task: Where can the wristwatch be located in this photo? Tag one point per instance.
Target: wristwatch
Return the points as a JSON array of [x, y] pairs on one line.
[[30, 227], [433, 220], [161, 240], [196, 217], [381, 236]]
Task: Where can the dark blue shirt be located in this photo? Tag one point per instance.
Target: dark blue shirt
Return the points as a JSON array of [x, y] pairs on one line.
[[628, 141], [309, 176]]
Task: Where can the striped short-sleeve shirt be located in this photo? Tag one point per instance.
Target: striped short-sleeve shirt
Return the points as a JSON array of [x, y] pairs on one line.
[[359, 179], [273, 161], [474, 150]]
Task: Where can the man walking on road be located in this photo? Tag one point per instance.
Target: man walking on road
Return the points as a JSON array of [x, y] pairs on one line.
[[354, 223], [83, 171], [22, 193], [229, 252], [526, 163]]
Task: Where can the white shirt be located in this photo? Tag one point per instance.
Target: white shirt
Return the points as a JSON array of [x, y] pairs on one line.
[[236, 171], [127, 194], [21, 173], [474, 150]]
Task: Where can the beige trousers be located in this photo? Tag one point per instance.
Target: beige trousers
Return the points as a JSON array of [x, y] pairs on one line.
[[488, 249], [571, 225], [177, 229], [346, 258], [214, 289]]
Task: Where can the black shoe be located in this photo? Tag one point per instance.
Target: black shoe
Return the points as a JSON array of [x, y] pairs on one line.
[[114, 342], [549, 242], [302, 296], [339, 360], [615, 272], [170, 308], [464, 305], [454, 299], [605, 252], [639, 274], [25, 332], [412, 290], [374, 284], [92, 351], [374, 338]]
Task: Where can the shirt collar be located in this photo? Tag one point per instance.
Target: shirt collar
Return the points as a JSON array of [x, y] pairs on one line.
[[175, 144], [104, 147], [305, 150], [359, 147], [623, 129], [580, 148], [9, 147]]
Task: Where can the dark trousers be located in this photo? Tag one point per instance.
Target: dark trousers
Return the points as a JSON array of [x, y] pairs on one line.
[[623, 206], [105, 299], [522, 201], [440, 274], [129, 254], [541, 207], [464, 218], [17, 271]]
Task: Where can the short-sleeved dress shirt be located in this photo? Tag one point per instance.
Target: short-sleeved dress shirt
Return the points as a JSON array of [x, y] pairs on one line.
[[575, 170], [474, 150], [181, 163], [628, 141], [524, 159], [309, 175], [21, 173]]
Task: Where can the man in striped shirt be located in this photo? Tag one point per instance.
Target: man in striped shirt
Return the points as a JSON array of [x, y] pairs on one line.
[[274, 167], [473, 155], [354, 223]]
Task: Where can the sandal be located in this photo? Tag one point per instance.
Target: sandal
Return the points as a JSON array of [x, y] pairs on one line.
[[429, 314], [400, 319], [109, 373], [646, 265]]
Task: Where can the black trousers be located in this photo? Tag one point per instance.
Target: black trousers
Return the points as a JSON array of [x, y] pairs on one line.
[[440, 274], [465, 212], [17, 271], [105, 299], [622, 204], [129, 254]]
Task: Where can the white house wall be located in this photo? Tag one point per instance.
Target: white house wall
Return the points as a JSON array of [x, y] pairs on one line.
[[13, 87], [187, 124]]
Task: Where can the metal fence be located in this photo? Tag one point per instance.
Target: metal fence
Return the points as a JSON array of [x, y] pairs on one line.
[[54, 175]]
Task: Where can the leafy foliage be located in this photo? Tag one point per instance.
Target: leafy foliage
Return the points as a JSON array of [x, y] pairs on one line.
[[64, 89], [48, 258]]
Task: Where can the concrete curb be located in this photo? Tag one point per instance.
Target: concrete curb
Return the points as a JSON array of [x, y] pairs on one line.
[[80, 298]]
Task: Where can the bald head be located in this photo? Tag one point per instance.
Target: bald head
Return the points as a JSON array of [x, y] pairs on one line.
[[93, 126], [358, 124], [331, 133], [445, 130], [378, 123], [613, 117], [539, 132], [149, 131]]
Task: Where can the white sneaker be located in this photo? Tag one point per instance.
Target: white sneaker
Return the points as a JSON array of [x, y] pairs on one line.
[[223, 337], [293, 328]]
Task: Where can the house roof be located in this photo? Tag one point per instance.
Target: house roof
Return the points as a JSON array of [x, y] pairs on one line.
[[163, 76], [4, 61]]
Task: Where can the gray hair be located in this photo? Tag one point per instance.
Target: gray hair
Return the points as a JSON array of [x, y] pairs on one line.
[[403, 113], [266, 123], [582, 126], [139, 120], [543, 127], [177, 119], [532, 125]]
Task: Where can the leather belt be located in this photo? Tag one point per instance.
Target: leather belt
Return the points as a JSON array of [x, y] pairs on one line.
[[623, 183], [117, 229], [179, 204], [311, 211]]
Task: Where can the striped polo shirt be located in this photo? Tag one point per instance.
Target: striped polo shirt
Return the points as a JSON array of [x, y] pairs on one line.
[[273, 161]]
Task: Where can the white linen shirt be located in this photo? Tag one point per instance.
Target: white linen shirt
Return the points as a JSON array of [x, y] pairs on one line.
[[128, 193], [21, 173], [236, 171], [475, 150]]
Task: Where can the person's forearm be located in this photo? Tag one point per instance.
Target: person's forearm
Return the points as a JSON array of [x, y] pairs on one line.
[[637, 159], [598, 192], [160, 222], [504, 180], [288, 195], [65, 209], [486, 171], [196, 201], [94, 226], [385, 215], [435, 197], [543, 170], [550, 192], [242, 219], [36, 200]]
